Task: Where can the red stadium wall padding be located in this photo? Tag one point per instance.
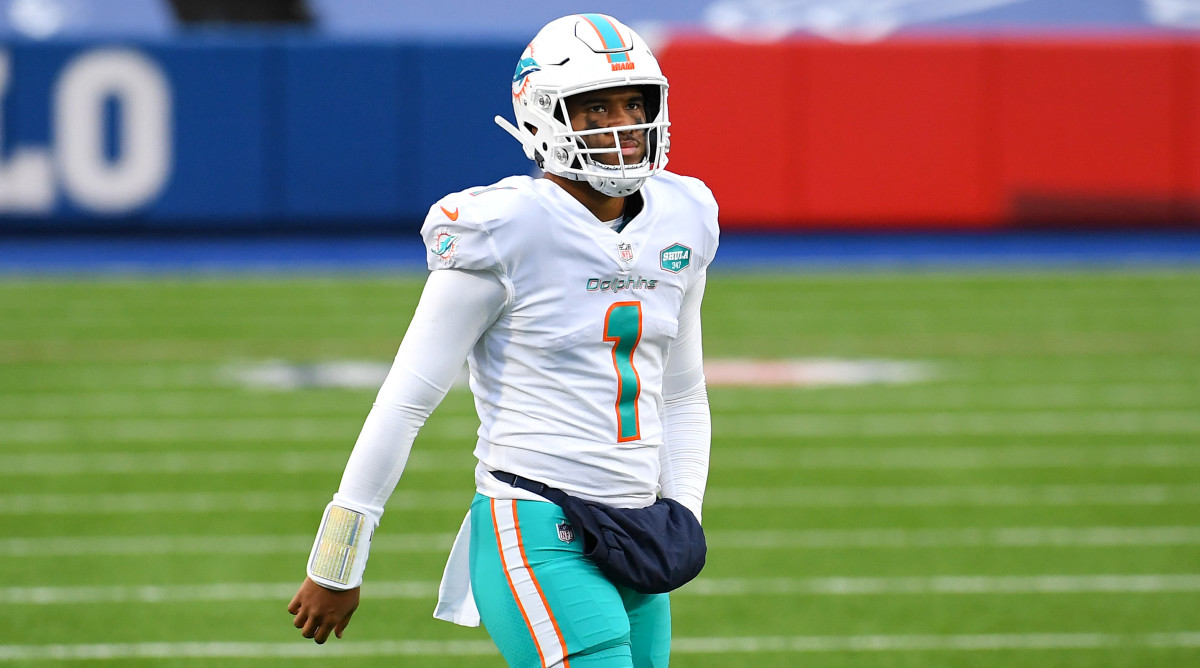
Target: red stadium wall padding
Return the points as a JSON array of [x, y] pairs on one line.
[[728, 119], [891, 134], [940, 133], [1086, 132], [1187, 113]]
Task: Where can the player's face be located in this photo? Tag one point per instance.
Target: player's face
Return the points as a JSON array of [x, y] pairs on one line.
[[608, 108]]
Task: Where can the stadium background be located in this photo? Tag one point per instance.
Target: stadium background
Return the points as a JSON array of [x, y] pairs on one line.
[[970, 115], [953, 334]]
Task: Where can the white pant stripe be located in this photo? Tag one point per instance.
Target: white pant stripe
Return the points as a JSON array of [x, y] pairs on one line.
[[550, 644]]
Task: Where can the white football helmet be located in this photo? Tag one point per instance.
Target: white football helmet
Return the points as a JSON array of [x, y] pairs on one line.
[[576, 54]]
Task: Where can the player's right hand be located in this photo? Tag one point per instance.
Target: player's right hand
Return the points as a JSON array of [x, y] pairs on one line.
[[320, 611]]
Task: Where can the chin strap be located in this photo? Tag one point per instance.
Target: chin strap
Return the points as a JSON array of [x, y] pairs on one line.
[[614, 186]]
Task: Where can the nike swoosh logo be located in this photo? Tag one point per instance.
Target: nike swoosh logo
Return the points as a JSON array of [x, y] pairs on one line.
[[451, 215]]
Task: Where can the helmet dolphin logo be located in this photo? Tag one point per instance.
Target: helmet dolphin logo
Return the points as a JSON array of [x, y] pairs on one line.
[[525, 67]]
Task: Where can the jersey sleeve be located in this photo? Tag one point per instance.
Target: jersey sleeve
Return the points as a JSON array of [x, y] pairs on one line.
[[457, 235], [709, 217], [430, 356], [687, 422], [703, 209]]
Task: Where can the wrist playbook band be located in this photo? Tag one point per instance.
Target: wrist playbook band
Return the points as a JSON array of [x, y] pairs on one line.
[[339, 554]]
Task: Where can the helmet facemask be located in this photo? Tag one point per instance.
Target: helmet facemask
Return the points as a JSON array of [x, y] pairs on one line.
[[571, 156]]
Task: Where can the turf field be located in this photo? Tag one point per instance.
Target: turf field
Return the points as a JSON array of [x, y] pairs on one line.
[[1035, 501]]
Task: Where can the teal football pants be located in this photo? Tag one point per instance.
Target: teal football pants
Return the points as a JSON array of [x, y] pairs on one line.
[[546, 605]]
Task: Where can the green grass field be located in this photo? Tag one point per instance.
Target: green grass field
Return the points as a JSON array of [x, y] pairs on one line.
[[1036, 502]]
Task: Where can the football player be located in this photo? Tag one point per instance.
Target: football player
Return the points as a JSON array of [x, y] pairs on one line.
[[575, 299]]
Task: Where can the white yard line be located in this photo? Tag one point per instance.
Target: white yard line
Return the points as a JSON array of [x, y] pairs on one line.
[[997, 394], [718, 497], [719, 645], [197, 463], [1073, 537], [953, 496], [250, 591], [1142, 422], [338, 430], [218, 545], [964, 423], [803, 458], [813, 539], [184, 397], [947, 584], [250, 650], [959, 457], [704, 587], [932, 643], [207, 502]]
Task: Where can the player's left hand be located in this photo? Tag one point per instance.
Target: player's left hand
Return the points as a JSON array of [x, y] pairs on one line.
[[320, 611]]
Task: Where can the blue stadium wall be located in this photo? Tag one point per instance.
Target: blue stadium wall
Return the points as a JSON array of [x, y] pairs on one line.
[[247, 132]]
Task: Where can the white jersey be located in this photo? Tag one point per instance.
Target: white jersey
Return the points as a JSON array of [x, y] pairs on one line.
[[568, 381]]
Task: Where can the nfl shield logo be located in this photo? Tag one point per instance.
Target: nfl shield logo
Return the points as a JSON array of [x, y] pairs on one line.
[[625, 251], [566, 533]]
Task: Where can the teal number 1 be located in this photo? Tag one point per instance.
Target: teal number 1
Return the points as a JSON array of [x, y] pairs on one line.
[[623, 326]]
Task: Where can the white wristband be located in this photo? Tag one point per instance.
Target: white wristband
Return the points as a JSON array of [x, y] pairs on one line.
[[339, 554]]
